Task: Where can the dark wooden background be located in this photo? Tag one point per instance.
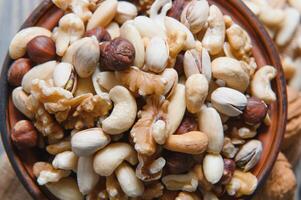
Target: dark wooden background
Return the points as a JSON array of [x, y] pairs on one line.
[[12, 15]]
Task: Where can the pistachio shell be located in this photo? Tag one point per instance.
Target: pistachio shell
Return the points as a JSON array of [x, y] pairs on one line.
[[64, 76]]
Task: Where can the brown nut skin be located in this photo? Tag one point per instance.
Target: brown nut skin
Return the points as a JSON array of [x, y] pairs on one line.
[[178, 163], [177, 8], [41, 49], [118, 54], [255, 111], [188, 124], [179, 65], [17, 70], [24, 134], [100, 33], [229, 168]]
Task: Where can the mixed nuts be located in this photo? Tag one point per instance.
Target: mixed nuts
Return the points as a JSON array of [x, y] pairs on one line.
[[161, 105]]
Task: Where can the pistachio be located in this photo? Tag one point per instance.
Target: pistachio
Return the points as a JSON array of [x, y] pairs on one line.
[[228, 101], [64, 76], [249, 155], [213, 166], [195, 14], [156, 55], [196, 62], [232, 72], [229, 150], [125, 11]]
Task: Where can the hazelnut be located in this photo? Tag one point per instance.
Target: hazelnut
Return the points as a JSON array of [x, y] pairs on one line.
[[177, 163], [24, 134], [117, 54], [188, 124], [100, 33], [41, 49], [229, 168], [17, 70], [255, 111]]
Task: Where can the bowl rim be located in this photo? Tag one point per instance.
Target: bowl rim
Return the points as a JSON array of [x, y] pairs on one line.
[[34, 17]]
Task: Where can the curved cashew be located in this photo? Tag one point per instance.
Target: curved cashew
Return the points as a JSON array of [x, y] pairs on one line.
[[124, 112], [42, 72], [17, 47], [108, 159], [70, 29], [194, 142], [173, 25], [176, 109], [196, 92], [106, 80], [261, 86], [86, 142], [103, 15], [66, 189], [214, 37], [289, 26], [129, 183], [45, 173], [86, 177], [210, 123], [97, 87], [66, 160], [130, 32], [213, 167], [20, 99], [185, 182]]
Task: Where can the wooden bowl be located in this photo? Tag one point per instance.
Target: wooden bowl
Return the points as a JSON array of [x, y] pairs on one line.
[[47, 15]]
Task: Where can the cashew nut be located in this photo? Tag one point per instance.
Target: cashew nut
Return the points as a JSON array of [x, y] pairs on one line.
[[20, 99], [103, 15], [106, 80], [130, 32], [45, 173], [196, 92], [210, 123], [42, 72], [194, 142], [17, 47], [214, 37], [70, 29], [289, 26], [86, 177], [108, 159], [185, 182], [261, 86], [86, 142], [213, 167], [130, 184], [176, 109], [232, 72], [79, 7], [66, 160], [66, 189], [124, 112]]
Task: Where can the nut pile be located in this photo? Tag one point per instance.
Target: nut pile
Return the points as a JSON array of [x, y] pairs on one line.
[[166, 104]]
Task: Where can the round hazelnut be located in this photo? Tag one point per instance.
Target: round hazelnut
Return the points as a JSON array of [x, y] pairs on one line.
[[118, 54], [178, 163], [100, 33], [188, 124], [255, 111], [41, 49], [17, 70], [24, 134]]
